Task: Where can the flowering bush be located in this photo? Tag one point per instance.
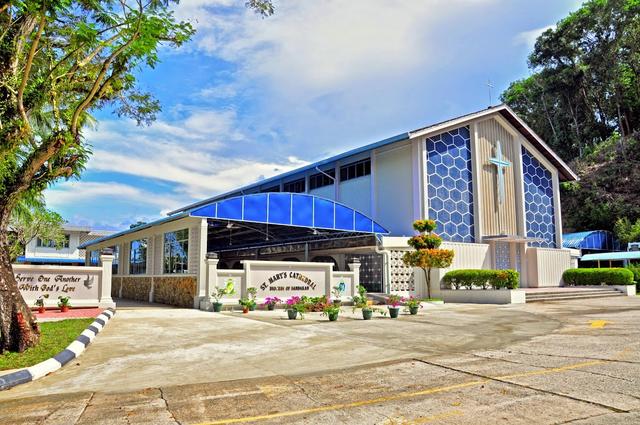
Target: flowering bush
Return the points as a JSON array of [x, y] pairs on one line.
[[424, 225], [271, 301], [412, 302], [296, 303], [315, 303], [394, 300]]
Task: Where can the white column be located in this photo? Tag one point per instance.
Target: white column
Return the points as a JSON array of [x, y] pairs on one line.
[[104, 290], [211, 280], [354, 266], [201, 292]]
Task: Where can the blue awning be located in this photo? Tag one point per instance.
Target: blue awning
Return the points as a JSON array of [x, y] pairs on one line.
[[602, 240], [290, 209]]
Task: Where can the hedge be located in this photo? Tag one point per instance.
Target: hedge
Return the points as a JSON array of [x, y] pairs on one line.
[[606, 276], [480, 278]]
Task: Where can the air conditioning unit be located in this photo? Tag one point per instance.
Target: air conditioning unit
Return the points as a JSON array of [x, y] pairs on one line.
[[633, 246]]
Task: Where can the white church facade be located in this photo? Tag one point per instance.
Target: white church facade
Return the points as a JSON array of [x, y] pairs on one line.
[[490, 183]]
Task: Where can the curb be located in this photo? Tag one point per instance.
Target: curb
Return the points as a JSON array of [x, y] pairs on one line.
[[72, 351]]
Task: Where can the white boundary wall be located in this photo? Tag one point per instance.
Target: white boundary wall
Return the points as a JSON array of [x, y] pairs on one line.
[[279, 278], [85, 286]]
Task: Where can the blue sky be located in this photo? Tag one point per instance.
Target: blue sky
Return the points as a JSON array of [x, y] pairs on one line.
[[249, 98]]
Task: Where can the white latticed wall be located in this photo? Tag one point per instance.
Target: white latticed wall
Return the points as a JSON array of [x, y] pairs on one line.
[[401, 275]]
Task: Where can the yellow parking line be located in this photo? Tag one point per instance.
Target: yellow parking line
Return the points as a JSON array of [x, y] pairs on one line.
[[398, 396]]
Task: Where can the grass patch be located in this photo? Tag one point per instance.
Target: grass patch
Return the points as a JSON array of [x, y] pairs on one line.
[[54, 337]]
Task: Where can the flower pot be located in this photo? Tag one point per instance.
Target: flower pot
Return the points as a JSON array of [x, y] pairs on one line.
[[245, 310], [367, 314], [292, 314], [217, 307], [64, 308], [271, 307], [393, 312], [252, 307], [414, 310], [333, 316], [41, 310], [337, 302]]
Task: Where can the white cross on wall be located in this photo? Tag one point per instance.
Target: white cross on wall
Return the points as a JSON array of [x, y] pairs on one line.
[[500, 164]]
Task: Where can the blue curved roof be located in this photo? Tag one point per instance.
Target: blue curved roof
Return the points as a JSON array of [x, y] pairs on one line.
[[290, 209], [593, 239]]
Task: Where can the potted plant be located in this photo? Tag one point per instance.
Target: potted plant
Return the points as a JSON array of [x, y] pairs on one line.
[[413, 304], [252, 293], [221, 292], [270, 302], [331, 311], [40, 303], [393, 301], [63, 304], [246, 304], [361, 301], [295, 305], [337, 292]]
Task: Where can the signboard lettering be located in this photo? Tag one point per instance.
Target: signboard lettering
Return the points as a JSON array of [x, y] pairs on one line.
[[33, 284]]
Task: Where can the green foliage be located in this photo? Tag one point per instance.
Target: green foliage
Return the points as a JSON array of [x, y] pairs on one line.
[[247, 302], [423, 226], [635, 269], [427, 256], [480, 278], [315, 303], [604, 276], [31, 220], [64, 301], [54, 337], [584, 83], [228, 289], [627, 231]]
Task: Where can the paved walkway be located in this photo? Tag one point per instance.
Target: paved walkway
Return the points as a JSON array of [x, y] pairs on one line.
[[539, 363]]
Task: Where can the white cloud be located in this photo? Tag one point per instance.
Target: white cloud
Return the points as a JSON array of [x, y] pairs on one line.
[[528, 38]]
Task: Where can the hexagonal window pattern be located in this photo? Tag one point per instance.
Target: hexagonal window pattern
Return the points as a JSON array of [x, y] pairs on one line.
[[449, 185], [538, 201]]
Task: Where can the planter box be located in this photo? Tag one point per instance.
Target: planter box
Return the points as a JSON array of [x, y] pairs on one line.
[[628, 290], [484, 296]]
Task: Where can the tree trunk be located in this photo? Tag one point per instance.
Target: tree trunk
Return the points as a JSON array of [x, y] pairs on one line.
[[18, 327], [427, 277]]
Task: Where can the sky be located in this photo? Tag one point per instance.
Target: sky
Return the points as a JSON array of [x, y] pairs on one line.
[[249, 98]]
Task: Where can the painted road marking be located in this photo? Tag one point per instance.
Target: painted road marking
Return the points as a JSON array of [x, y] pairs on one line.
[[400, 396], [598, 324], [403, 421]]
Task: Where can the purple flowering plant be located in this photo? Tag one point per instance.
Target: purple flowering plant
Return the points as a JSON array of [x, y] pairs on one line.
[[271, 301]]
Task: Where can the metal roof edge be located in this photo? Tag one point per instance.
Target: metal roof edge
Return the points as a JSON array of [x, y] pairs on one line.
[[355, 151], [135, 229]]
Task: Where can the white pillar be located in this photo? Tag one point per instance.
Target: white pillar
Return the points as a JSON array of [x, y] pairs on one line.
[[354, 266], [211, 280], [201, 284], [104, 290]]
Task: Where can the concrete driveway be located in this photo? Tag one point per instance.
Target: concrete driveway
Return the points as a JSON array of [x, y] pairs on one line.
[[538, 363]]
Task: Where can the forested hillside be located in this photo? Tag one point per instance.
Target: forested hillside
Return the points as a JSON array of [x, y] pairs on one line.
[[583, 98]]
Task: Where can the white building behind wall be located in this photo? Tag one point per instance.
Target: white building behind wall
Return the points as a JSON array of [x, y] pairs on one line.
[[505, 216]]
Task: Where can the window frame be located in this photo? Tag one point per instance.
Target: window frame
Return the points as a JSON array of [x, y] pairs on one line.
[[355, 170], [168, 267], [136, 270], [318, 180]]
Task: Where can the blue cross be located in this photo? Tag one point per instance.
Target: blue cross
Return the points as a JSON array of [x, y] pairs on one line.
[[500, 164]]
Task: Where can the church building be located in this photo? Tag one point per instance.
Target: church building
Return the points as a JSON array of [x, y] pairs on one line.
[[486, 178]]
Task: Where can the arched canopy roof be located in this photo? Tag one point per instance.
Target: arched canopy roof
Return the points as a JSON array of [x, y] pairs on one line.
[[602, 240], [290, 209]]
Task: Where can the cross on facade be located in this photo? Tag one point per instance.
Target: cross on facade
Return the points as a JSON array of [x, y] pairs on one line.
[[501, 163]]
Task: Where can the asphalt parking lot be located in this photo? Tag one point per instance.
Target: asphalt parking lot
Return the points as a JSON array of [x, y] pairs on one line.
[[549, 363]]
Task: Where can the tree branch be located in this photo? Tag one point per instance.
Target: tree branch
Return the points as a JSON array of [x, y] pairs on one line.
[[27, 69]]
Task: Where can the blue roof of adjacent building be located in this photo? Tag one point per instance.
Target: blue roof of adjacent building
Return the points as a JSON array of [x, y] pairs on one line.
[[50, 260], [612, 256], [600, 240]]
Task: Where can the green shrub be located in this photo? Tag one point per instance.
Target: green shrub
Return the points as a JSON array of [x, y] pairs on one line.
[[605, 276], [635, 269], [481, 278]]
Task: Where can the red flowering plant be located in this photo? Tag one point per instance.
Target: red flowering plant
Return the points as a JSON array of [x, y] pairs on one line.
[[394, 300], [271, 301], [412, 302], [296, 303]]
